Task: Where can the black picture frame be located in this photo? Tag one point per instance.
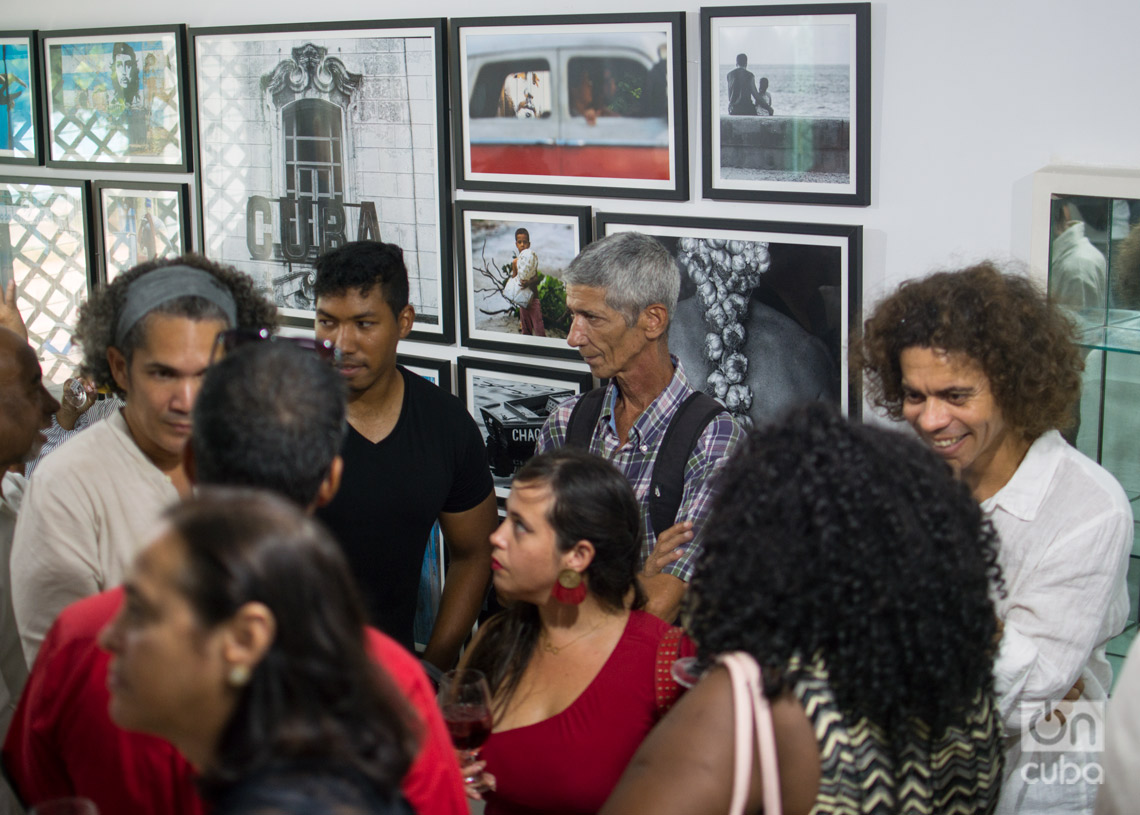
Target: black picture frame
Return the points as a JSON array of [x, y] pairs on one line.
[[784, 296], [488, 320], [21, 132], [45, 236], [485, 385], [95, 119], [815, 147], [343, 127], [627, 140], [435, 370], [136, 221]]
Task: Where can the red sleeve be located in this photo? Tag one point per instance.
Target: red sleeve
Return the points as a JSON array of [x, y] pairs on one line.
[[62, 741], [37, 771], [433, 783]]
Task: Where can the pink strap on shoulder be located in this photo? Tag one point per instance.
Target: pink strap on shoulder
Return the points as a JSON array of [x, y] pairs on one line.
[[747, 698]]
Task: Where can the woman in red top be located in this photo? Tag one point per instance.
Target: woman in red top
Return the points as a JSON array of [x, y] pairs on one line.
[[571, 664]]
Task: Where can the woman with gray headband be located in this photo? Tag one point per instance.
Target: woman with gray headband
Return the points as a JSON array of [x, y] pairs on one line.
[[146, 337]]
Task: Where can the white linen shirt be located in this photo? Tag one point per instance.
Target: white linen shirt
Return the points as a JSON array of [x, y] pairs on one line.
[[1066, 533], [92, 504]]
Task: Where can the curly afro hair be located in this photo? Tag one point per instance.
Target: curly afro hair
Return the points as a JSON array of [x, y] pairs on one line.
[[853, 544], [1025, 345], [98, 317]]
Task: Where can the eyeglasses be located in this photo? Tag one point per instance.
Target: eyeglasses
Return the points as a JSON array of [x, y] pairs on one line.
[[227, 341]]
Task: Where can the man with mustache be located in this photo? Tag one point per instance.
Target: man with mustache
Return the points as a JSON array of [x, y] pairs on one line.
[[413, 456]]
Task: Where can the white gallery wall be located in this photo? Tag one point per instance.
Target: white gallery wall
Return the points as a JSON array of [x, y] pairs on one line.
[[969, 99]]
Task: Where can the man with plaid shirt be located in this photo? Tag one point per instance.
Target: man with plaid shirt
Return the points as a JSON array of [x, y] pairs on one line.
[[621, 291]]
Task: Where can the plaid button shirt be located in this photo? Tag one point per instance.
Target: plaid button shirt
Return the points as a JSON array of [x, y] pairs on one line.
[[635, 458]]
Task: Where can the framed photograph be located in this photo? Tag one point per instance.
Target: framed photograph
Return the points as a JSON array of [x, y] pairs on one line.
[[765, 308], [116, 97], [510, 402], [21, 130], [787, 103], [511, 260], [435, 371], [139, 221], [310, 136], [576, 105], [44, 230]]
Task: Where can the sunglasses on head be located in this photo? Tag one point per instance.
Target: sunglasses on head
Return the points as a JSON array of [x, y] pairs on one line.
[[233, 338]]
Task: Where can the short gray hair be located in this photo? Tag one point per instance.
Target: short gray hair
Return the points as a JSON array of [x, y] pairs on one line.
[[635, 270]]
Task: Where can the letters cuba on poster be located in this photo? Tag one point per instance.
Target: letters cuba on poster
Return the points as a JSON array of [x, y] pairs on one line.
[[313, 139]]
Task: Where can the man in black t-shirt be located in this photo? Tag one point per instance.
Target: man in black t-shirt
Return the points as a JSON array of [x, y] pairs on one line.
[[413, 455]]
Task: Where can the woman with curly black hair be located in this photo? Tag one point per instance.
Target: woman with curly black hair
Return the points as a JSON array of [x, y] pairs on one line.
[[857, 573], [986, 370]]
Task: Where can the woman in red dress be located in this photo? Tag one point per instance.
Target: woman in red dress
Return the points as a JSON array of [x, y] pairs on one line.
[[571, 663]]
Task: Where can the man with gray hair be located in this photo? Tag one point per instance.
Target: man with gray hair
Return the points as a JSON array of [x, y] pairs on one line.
[[94, 501], [621, 292]]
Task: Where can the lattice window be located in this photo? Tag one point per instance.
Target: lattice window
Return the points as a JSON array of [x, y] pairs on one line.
[[43, 245]]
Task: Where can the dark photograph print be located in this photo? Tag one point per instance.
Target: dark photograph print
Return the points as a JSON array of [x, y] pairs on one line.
[[139, 222], [787, 103], [512, 257], [577, 105], [115, 97], [19, 99], [510, 402], [310, 137], [764, 310]]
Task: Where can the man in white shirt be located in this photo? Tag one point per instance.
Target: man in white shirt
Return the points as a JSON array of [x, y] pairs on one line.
[[985, 370], [93, 502]]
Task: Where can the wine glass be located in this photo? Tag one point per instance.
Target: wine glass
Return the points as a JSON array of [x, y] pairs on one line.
[[465, 700], [65, 806]]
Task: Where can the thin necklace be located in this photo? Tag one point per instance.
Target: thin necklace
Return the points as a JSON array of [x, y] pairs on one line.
[[550, 648]]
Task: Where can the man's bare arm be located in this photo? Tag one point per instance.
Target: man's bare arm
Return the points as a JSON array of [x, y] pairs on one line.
[[467, 536], [665, 594]]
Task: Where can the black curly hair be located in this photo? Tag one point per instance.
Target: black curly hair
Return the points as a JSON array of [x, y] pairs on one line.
[[1025, 345], [99, 316], [856, 545]]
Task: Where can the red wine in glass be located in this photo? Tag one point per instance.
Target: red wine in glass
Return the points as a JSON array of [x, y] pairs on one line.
[[465, 700], [469, 725]]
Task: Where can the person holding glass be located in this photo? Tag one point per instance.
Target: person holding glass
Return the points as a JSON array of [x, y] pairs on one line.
[[849, 565], [571, 663], [241, 641]]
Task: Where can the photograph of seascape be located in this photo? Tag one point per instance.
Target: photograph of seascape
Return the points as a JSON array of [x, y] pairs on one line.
[[801, 130]]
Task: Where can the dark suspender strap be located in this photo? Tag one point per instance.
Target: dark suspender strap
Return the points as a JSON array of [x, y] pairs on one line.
[[584, 418], [668, 481]]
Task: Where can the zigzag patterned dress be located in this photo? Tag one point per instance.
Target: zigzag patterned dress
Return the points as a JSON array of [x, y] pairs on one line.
[[957, 772]]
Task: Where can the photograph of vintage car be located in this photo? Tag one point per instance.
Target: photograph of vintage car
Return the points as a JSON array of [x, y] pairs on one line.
[[510, 402], [582, 108]]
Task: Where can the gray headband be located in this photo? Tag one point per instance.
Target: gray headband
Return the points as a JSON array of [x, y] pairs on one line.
[[146, 293]]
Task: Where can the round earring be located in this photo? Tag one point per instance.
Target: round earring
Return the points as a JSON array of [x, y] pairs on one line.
[[238, 676], [570, 588]]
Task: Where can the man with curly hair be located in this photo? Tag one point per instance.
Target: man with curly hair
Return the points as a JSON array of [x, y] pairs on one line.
[[986, 370], [147, 336]]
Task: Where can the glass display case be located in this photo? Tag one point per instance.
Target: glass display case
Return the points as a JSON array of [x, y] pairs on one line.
[[1086, 240]]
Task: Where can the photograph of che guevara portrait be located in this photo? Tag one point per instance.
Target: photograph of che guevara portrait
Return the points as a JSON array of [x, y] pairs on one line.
[[115, 98], [310, 137]]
